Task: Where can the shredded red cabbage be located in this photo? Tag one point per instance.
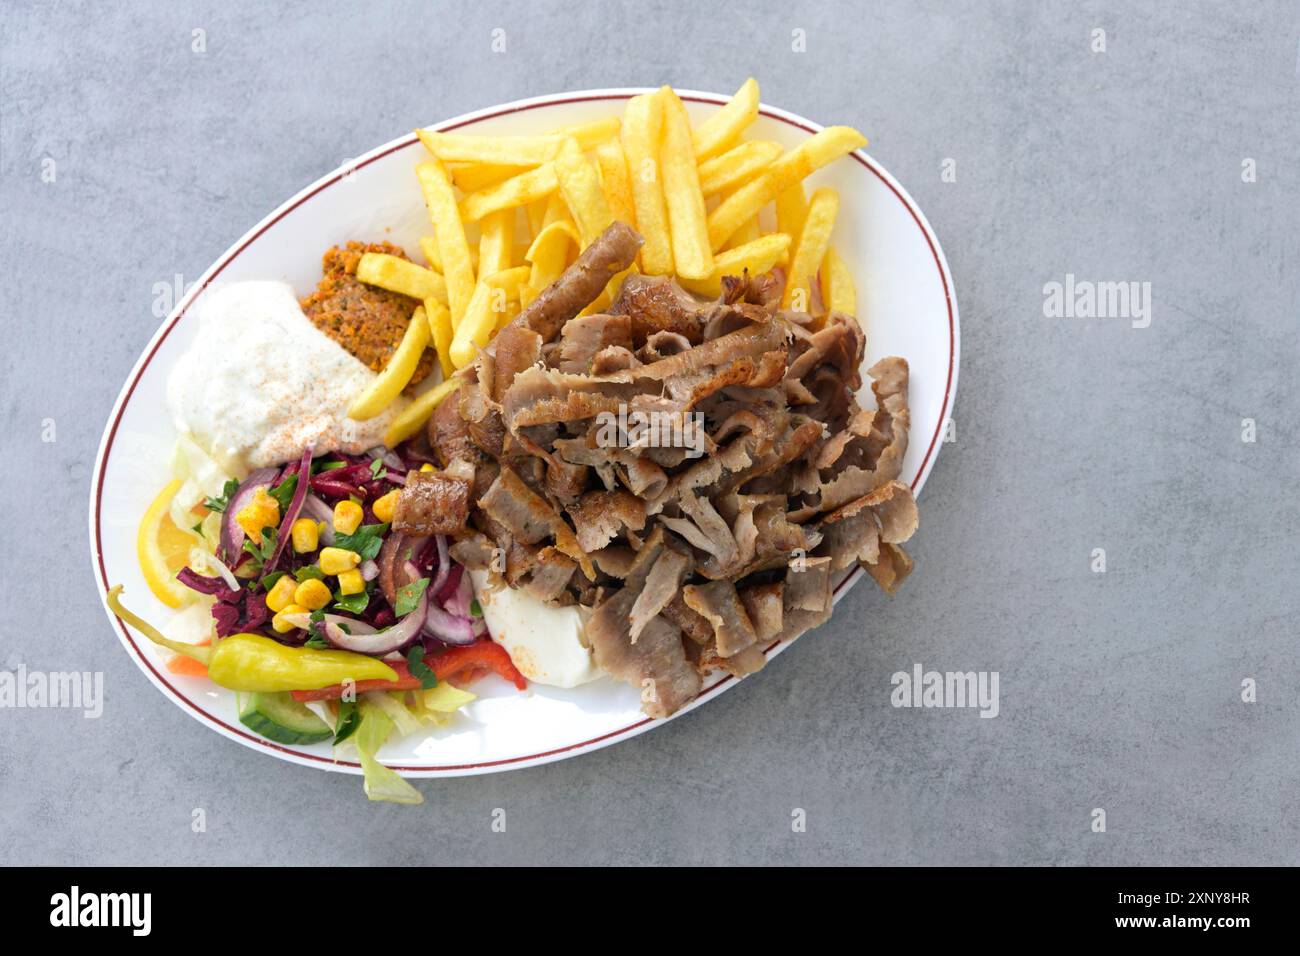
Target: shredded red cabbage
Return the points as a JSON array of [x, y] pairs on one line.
[[303, 470], [450, 586], [201, 582]]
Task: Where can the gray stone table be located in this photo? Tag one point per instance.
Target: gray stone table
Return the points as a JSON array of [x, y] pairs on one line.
[[1169, 158]]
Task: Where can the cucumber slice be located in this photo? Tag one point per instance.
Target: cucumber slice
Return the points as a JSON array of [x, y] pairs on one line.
[[280, 718]]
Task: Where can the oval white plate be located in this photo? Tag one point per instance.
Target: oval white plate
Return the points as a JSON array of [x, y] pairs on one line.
[[905, 298]]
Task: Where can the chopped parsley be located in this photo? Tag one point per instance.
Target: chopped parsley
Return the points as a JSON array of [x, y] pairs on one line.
[[377, 469], [309, 572], [475, 609], [261, 553], [318, 642], [348, 722], [331, 466], [268, 582], [222, 501], [283, 492], [365, 541], [408, 597], [352, 603], [415, 660]]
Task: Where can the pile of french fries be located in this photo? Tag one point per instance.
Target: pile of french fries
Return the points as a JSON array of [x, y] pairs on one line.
[[510, 213]]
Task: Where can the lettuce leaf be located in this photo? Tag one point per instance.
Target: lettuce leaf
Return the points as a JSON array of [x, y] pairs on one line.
[[203, 478], [412, 710], [441, 700], [381, 783]]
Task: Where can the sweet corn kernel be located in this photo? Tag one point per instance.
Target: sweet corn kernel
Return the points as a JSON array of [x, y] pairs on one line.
[[384, 506], [262, 512], [279, 623], [347, 517], [351, 582], [338, 560], [281, 594], [426, 467], [306, 535], [312, 594]]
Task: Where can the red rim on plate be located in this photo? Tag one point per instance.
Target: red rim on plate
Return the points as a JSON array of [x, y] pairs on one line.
[[106, 447]]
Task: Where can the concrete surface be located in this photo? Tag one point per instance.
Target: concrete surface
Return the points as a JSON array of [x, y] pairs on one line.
[[1119, 690]]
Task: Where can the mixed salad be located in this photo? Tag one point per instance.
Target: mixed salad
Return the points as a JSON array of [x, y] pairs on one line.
[[297, 594]]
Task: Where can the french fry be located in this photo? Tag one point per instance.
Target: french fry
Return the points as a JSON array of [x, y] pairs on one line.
[[794, 167], [475, 329], [740, 206], [838, 292], [814, 153], [736, 166], [549, 255], [615, 181], [516, 191], [388, 384], [717, 133], [429, 246], [580, 187], [791, 210], [758, 257], [556, 211], [510, 281], [686, 214], [747, 233], [642, 125], [508, 314], [597, 305], [471, 177], [453, 247], [534, 212], [401, 275], [590, 135], [412, 418], [441, 331], [496, 244], [609, 293], [810, 249], [493, 150], [491, 294]]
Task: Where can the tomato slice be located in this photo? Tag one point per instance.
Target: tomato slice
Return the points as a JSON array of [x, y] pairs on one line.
[[483, 656]]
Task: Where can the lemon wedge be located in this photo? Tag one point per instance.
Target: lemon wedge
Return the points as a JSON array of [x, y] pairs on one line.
[[163, 549]]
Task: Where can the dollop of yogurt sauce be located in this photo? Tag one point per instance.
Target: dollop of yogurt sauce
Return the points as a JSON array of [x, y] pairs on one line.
[[544, 642], [260, 382]]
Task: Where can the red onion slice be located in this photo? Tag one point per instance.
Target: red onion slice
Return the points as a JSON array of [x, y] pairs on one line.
[[458, 603], [444, 566], [232, 535], [291, 513], [397, 551], [366, 640], [315, 508], [448, 628], [369, 570], [389, 458]]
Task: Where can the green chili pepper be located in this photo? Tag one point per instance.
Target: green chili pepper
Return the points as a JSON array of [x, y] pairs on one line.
[[252, 662]]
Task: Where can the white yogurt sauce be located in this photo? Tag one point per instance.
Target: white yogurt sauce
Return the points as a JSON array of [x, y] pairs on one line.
[[543, 641], [260, 382]]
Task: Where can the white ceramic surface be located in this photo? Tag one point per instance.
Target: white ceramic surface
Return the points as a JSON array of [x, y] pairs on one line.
[[905, 300]]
